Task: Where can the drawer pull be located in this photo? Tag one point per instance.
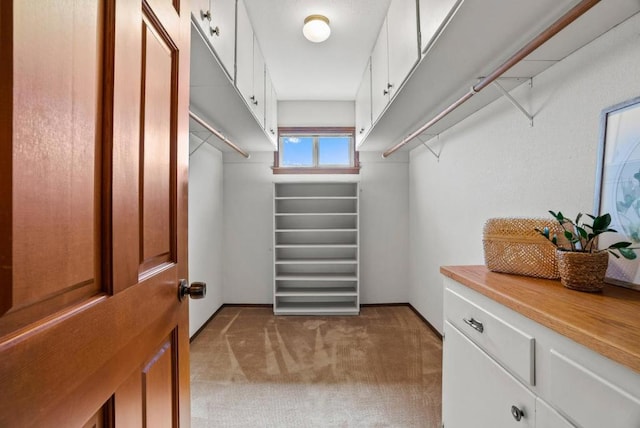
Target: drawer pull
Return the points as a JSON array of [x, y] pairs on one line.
[[206, 15], [475, 324], [517, 413]]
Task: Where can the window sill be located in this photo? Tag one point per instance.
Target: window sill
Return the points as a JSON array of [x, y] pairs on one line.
[[314, 170]]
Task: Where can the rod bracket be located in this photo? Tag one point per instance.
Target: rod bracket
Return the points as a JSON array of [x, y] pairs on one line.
[[513, 101], [433, 152]]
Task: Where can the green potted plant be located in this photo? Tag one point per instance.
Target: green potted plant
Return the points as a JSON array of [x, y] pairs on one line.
[[582, 266]]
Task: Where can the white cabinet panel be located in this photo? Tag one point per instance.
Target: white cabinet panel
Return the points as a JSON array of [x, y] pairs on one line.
[[271, 110], [513, 348], [477, 392], [249, 65], [258, 96], [546, 417], [433, 14], [363, 105], [379, 74], [404, 53], [200, 11], [217, 22], [221, 32], [588, 398], [244, 53]]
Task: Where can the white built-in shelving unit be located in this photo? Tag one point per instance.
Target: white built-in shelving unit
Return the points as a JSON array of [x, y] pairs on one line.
[[316, 254]]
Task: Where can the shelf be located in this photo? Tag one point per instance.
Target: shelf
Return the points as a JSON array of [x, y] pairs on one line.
[[316, 291], [316, 277], [316, 308], [316, 249], [316, 230], [311, 198], [316, 246], [316, 262], [312, 214]]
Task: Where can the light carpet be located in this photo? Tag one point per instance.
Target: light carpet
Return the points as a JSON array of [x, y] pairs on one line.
[[382, 368]]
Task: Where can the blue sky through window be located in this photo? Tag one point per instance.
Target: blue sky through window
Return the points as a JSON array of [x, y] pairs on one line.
[[334, 150], [297, 151]]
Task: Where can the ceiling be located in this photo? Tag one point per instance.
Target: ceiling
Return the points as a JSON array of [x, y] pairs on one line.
[[302, 70]]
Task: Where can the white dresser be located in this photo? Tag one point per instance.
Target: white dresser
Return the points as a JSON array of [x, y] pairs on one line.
[[524, 352]]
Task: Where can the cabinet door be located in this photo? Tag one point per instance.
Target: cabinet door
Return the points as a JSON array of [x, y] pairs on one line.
[[221, 31], [432, 15], [582, 390], [258, 96], [476, 391], [363, 105], [271, 109], [546, 417], [402, 36], [200, 11], [379, 74], [244, 54]]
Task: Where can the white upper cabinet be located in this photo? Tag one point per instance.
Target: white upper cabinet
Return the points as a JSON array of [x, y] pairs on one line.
[[249, 65], [363, 105], [433, 14], [379, 74], [257, 98], [200, 11], [244, 54], [395, 53], [402, 36], [271, 110], [222, 31], [217, 22]]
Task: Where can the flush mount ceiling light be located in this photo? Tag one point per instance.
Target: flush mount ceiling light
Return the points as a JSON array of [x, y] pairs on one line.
[[316, 28]]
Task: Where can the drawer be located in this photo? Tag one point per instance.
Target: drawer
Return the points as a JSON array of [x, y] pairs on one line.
[[589, 399], [477, 392], [511, 347]]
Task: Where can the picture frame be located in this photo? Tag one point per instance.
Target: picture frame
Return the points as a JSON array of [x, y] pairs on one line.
[[617, 189]]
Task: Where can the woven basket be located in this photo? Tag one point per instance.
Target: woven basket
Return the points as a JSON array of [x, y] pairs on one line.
[[512, 245], [583, 271]]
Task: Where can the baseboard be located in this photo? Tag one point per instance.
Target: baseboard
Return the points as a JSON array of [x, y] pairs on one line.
[[266, 305], [433, 329]]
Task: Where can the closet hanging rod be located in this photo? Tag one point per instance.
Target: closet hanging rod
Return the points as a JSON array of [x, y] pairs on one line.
[[218, 134], [551, 31]]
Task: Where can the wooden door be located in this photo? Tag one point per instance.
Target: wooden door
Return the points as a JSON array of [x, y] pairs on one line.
[[93, 200]]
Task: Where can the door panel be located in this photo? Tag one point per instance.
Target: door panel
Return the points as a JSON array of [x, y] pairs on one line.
[[159, 79], [55, 258], [159, 387], [127, 402], [96, 114]]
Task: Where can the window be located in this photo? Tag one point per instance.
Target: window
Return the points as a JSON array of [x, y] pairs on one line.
[[316, 150]]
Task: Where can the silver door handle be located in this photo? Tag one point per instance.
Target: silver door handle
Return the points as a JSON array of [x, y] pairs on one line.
[[474, 324]]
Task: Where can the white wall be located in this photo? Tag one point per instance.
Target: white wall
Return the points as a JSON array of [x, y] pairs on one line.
[[248, 214], [494, 165], [316, 113], [205, 232], [384, 222]]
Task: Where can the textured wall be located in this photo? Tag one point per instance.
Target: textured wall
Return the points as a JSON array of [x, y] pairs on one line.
[[205, 231], [248, 214], [493, 164]]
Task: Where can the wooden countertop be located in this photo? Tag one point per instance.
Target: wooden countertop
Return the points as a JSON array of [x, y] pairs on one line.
[[607, 322]]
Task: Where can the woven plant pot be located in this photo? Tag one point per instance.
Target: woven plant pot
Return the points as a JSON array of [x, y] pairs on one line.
[[582, 271]]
